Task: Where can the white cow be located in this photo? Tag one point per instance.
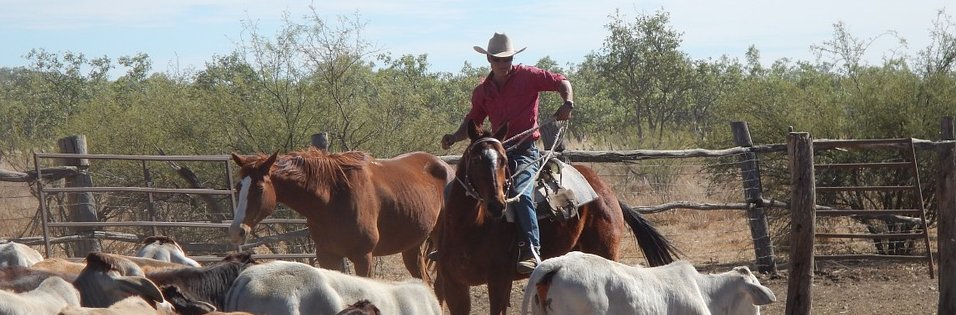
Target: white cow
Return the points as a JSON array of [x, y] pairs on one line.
[[580, 283], [282, 287], [53, 294], [16, 254], [163, 248]]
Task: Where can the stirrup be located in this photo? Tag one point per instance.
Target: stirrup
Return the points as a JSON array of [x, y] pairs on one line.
[[527, 259], [526, 266]]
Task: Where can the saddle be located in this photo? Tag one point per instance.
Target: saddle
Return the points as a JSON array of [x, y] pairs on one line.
[[559, 190]]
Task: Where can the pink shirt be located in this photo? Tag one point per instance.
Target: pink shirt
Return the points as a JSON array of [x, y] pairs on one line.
[[516, 102]]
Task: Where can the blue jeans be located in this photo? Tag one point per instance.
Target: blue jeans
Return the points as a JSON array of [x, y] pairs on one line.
[[525, 159]]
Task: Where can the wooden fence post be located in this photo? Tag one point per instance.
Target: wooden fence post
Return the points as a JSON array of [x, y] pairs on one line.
[[321, 141], [549, 135], [81, 205], [802, 202], [946, 234], [750, 172]]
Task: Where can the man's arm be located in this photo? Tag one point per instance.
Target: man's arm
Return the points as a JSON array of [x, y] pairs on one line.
[[567, 93], [449, 139]]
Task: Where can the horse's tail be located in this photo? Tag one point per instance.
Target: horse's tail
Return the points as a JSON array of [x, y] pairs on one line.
[[657, 249]]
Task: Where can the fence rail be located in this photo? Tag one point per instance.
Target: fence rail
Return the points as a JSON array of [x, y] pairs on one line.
[[199, 158]]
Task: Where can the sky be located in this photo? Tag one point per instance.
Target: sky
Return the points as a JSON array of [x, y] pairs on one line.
[[180, 35]]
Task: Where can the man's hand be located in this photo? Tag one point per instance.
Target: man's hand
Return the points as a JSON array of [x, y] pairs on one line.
[[447, 140], [564, 112]]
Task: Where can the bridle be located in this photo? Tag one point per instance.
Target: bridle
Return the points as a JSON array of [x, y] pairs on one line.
[[509, 144], [470, 190]]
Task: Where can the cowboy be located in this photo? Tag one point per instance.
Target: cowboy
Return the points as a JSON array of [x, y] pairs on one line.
[[510, 94]]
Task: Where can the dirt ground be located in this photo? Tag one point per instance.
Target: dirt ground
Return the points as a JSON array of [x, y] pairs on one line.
[[866, 288]]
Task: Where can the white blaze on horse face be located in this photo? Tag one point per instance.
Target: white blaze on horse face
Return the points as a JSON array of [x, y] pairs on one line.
[[491, 155], [239, 213]]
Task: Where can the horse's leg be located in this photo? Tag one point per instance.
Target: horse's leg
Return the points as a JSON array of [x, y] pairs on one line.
[[457, 295], [415, 262], [333, 261], [499, 293], [599, 236], [363, 265], [330, 261]]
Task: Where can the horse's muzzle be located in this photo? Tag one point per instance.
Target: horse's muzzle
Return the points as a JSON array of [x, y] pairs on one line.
[[238, 232], [496, 209]]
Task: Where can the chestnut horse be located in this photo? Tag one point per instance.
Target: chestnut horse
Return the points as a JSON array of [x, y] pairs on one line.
[[477, 246], [356, 207]]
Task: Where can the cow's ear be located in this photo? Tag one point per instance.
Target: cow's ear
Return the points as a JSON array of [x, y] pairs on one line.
[[208, 308], [743, 270], [761, 294]]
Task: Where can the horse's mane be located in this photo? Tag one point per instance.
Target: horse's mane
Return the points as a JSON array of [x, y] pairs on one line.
[[316, 168]]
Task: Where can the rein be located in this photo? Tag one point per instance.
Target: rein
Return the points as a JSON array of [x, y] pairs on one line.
[[469, 187], [542, 159], [524, 135]]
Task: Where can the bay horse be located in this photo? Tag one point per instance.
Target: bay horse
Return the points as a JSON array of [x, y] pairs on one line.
[[356, 207], [477, 246]]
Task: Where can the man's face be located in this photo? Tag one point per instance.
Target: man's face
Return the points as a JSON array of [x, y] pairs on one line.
[[500, 65]]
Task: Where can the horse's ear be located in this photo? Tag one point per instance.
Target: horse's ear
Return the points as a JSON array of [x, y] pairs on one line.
[[272, 159], [502, 132], [474, 130], [238, 159]]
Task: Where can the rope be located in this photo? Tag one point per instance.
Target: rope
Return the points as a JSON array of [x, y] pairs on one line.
[[525, 134], [545, 157]]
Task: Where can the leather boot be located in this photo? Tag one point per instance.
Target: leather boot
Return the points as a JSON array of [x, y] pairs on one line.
[[526, 261]]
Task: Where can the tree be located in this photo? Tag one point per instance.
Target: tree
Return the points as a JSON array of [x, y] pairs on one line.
[[39, 98], [646, 70]]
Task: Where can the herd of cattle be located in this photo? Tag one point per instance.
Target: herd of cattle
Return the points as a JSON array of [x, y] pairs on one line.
[[161, 279]]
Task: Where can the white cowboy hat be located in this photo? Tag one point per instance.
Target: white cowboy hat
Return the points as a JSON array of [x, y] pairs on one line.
[[499, 46]]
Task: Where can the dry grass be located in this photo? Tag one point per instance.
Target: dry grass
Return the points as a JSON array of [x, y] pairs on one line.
[[17, 207]]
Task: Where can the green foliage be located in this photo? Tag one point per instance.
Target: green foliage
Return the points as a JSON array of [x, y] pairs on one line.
[[40, 98], [639, 90], [647, 71]]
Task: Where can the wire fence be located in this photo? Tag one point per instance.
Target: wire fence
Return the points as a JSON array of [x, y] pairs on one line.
[[707, 238]]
